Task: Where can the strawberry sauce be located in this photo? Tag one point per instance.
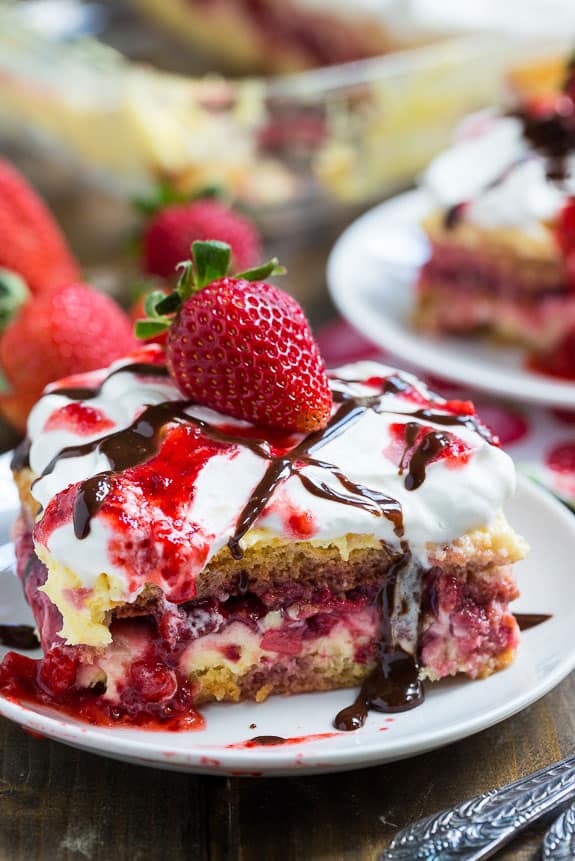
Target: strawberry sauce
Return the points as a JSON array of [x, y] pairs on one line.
[[23, 681]]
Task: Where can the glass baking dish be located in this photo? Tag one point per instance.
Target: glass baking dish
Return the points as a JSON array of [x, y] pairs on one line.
[[297, 150]]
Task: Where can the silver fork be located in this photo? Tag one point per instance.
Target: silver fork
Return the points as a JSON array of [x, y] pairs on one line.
[[559, 840], [477, 828]]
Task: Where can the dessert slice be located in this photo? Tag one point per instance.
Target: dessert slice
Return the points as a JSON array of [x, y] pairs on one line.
[[196, 579], [321, 532], [502, 237]]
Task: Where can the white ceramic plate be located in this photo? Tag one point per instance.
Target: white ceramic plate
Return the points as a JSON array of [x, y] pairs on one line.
[[372, 273], [453, 709]]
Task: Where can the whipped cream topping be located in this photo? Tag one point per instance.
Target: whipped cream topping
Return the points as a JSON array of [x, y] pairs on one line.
[[463, 488], [494, 170]]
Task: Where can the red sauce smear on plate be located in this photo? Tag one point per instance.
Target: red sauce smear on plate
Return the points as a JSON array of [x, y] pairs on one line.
[[20, 681]]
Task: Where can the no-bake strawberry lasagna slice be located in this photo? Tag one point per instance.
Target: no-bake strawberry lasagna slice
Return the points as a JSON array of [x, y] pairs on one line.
[[502, 229], [174, 556]]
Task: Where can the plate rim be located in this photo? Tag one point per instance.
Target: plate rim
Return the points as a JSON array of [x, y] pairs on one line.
[[279, 761], [387, 335]]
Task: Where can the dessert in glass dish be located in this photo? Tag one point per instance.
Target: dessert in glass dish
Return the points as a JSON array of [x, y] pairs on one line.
[[277, 35], [217, 518], [503, 227]]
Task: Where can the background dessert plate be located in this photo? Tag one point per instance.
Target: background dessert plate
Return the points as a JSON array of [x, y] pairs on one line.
[[372, 273], [453, 709]]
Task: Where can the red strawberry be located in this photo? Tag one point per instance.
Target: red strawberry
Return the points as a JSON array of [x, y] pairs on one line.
[[169, 235], [31, 242], [242, 346], [66, 331]]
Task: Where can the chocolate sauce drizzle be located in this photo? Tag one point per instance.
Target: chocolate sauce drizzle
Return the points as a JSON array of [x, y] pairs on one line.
[[21, 637], [552, 136], [140, 369], [21, 457], [531, 620], [393, 685], [140, 441]]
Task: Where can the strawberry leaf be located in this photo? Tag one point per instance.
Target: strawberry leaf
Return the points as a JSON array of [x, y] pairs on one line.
[[187, 280], [152, 302], [212, 260], [5, 387], [167, 304], [150, 328], [272, 267], [13, 294]]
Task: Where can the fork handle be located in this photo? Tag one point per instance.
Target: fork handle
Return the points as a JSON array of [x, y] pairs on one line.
[[475, 829]]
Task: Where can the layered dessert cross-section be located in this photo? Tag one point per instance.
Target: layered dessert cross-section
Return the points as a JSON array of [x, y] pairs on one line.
[[174, 556], [502, 229]]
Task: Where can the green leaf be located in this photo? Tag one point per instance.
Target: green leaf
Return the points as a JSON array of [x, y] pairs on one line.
[[151, 302], [13, 294], [169, 304], [212, 261], [149, 328], [187, 280], [5, 387], [272, 267]]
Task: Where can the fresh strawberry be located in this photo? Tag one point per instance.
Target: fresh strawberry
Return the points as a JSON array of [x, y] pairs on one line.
[[31, 243], [240, 345], [66, 331], [169, 235]]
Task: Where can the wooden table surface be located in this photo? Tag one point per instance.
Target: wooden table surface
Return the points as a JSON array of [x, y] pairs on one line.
[[60, 803]]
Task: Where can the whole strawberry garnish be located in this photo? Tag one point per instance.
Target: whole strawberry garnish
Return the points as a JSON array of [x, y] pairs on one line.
[[170, 233], [69, 330], [240, 345], [31, 243]]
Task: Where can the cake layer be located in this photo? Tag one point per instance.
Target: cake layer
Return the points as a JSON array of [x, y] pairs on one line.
[[471, 303], [288, 638]]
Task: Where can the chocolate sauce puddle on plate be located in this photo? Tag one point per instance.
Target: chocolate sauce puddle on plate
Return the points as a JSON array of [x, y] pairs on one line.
[[266, 740], [531, 620], [19, 637]]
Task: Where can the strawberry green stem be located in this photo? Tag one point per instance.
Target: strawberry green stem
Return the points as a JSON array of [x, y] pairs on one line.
[[13, 294], [211, 262]]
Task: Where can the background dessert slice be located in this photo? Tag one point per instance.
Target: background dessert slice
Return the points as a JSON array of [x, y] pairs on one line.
[[501, 233]]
